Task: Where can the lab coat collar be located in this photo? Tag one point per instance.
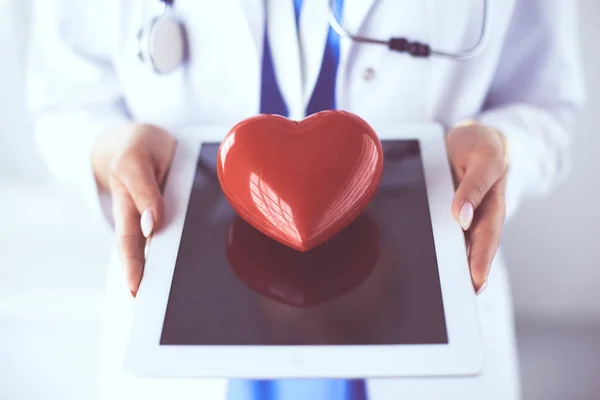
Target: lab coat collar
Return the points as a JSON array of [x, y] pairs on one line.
[[297, 67], [254, 10], [285, 51], [313, 32], [314, 29], [354, 14]]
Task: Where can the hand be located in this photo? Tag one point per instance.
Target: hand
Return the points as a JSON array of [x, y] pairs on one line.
[[478, 157], [132, 163]]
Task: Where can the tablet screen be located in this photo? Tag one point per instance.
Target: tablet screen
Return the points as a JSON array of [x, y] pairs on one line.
[[376, 282]]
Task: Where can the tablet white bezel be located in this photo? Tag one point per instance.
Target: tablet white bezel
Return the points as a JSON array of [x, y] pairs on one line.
[[461, 356]]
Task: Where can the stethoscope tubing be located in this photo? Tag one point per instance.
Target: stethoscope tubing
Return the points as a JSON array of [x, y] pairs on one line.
[[460, 56]]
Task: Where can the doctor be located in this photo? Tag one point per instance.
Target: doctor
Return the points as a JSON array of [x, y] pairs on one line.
[[107, 112]]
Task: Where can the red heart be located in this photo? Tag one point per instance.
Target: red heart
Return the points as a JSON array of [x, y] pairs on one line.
[[309, 278], [301, 182]]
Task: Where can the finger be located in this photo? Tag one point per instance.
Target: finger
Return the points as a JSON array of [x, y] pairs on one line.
[[135, 170], [484, 236], [476, 183], [130, 241]]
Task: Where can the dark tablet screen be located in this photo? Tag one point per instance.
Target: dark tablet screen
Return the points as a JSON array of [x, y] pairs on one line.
[[376, 282]]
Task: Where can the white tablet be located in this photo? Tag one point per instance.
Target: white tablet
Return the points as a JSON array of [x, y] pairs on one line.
[[389, 296]]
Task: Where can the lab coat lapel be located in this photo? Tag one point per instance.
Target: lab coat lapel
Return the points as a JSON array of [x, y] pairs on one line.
[[254, 11], [354, 14], [285, 52], [313, 37], [314, 29]]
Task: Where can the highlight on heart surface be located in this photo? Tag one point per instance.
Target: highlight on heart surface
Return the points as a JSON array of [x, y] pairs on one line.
[[300, 182]]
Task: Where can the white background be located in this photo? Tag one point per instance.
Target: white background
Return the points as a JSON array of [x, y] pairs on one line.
[[52, 259], [553, 247]]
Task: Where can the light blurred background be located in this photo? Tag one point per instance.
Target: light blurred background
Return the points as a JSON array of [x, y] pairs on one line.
[[53, 259]]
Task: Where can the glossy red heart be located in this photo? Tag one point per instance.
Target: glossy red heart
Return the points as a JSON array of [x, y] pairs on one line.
[[300, 182], [304, 279]]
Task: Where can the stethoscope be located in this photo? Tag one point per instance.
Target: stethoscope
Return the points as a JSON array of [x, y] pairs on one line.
[[416, 49], [163, 43]]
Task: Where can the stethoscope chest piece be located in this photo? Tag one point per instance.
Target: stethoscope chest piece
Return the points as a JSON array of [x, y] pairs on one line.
[[163, 44]]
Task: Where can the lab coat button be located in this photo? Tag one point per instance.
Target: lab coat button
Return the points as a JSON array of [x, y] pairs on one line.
[[368, 74]]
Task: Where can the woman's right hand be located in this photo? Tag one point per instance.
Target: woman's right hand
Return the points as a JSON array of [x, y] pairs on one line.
[[132, 163]]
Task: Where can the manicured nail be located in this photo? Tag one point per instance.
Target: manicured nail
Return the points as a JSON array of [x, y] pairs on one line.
[[466, 215], [482, 288], [147, 222]]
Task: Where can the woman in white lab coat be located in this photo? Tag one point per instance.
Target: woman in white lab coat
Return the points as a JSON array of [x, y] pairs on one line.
[[107, 122]]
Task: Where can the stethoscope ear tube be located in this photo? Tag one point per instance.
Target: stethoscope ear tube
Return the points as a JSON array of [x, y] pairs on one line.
[[416, 49], [163, 45]]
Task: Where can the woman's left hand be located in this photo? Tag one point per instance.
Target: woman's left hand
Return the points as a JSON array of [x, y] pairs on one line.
[[478, 157]]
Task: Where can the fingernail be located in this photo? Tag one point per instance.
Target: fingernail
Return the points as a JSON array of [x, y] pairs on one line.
[[466, 215], [482, 288], [147, 222]]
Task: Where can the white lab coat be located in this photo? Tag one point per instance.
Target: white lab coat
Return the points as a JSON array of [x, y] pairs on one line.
[[85, 78]]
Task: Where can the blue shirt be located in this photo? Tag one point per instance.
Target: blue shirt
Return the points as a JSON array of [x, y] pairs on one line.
[[272, 102], [297, 389]]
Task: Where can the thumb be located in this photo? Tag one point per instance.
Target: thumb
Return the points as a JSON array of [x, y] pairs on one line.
[[478, 179]]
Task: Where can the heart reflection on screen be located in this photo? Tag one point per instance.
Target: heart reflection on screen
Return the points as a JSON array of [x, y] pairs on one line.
[[303, 279]]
